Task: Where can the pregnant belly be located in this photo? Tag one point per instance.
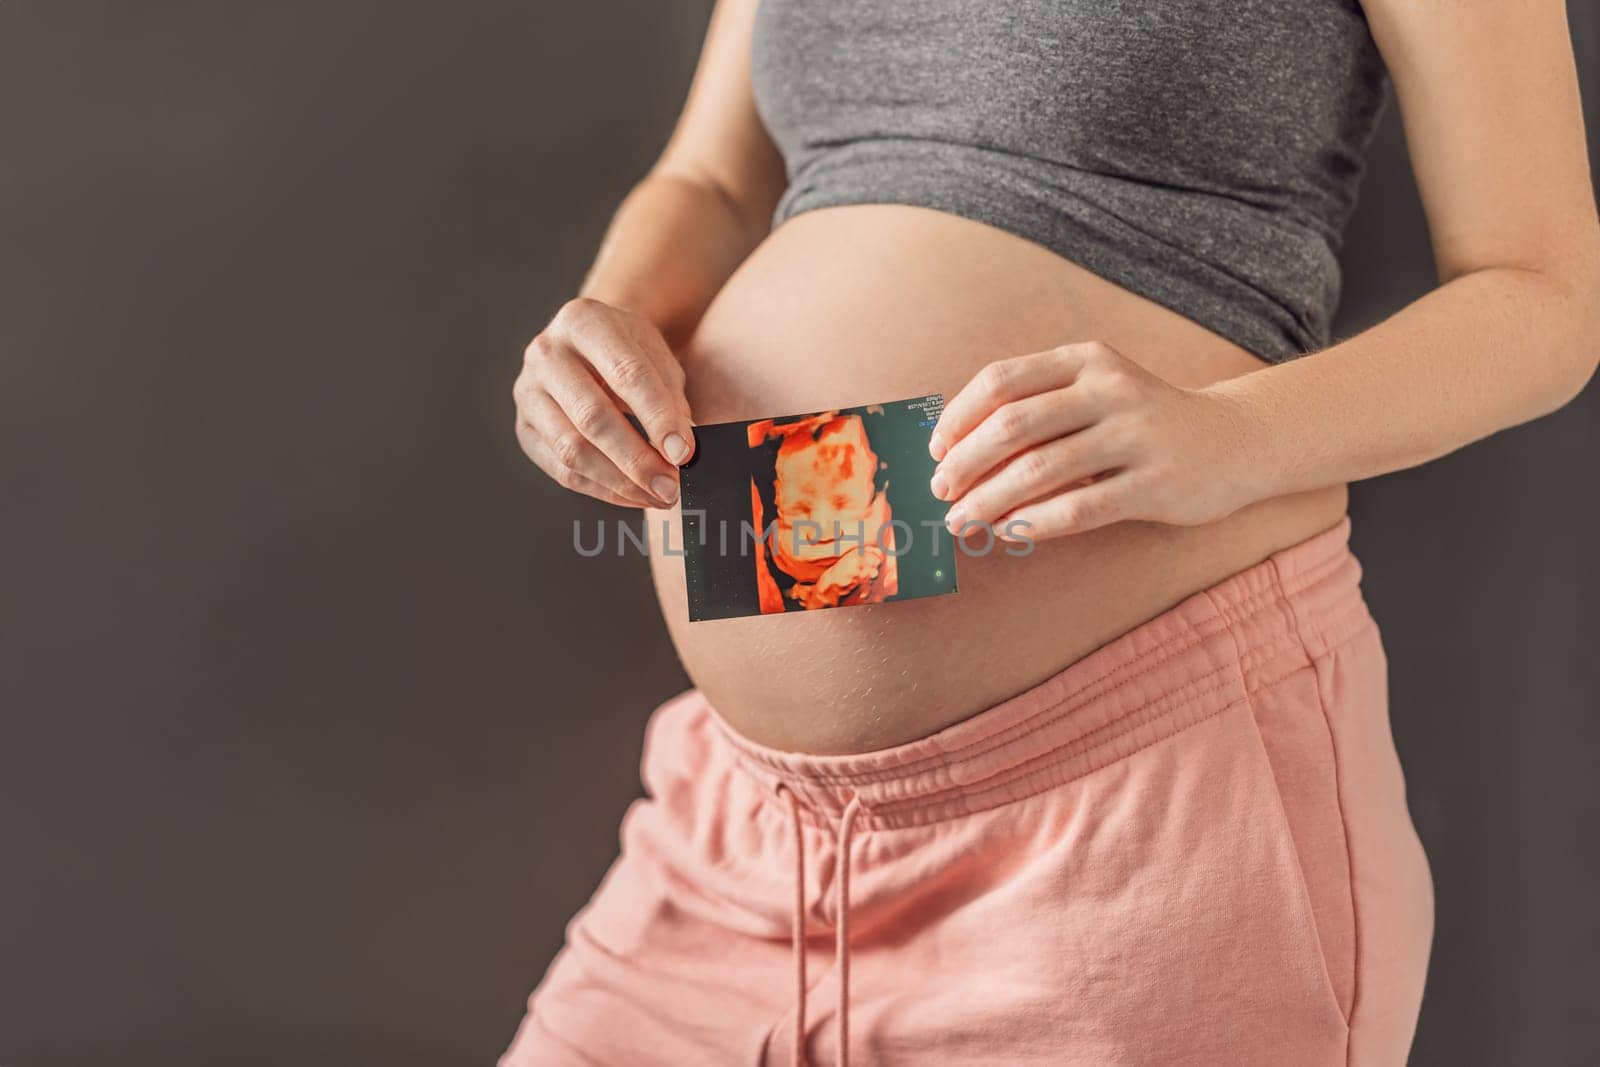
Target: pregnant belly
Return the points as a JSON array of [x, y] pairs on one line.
[[862, 304]]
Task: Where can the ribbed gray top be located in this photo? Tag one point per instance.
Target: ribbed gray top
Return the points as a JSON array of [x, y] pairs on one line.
[[1202, 153]]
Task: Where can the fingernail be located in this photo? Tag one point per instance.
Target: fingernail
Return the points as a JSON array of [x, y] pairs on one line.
[[675, 447], [936, 447], [665, 488], [939, 485], [954, 521]]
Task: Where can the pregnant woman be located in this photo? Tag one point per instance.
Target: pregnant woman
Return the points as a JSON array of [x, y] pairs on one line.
[[1131, 798]]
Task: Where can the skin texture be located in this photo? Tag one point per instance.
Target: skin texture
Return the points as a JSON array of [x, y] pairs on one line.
[[1151, 457], [896, 315]]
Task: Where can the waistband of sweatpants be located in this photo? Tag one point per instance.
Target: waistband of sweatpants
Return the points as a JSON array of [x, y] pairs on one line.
[[1186, 665]]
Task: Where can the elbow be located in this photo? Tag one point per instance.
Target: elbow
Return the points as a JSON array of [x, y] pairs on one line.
[[1589, 314], [1579, 347], [1589, 355], [1580, 358], [1586, 350]]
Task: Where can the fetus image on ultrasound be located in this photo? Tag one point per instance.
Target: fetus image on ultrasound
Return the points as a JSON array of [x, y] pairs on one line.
[[830, 542], [827, 509]]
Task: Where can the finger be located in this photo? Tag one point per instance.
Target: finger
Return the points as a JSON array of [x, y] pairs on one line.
[[1000, 383], [1075, 511], [570, 479], [1008, 431], [1036, 473], [542, 456], [637, 367], [580, 484], [551, 441], [570, 383]]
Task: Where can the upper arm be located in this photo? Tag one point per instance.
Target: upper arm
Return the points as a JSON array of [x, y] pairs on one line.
[[720, 140], [1489, 94]]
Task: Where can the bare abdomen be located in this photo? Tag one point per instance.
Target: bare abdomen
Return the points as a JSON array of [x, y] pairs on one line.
[[863, 304]]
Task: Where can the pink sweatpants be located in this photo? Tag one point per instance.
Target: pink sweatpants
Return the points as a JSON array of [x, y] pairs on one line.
[[1190, 847]]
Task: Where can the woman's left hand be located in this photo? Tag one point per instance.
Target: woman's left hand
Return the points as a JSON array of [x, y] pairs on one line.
[[1080, 437]]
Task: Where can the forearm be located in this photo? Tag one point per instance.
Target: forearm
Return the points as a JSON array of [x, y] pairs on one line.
[[1490, 349], [672, 244]]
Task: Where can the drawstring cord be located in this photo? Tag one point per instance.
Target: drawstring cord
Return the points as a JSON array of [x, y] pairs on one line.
[[841, 924], [797, 931]]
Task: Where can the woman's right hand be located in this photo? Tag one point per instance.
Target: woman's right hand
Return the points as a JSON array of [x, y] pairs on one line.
[[589, 368]]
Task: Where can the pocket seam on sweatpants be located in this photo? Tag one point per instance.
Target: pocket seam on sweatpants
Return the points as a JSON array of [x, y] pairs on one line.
[[1281, 816], [1318, 665]]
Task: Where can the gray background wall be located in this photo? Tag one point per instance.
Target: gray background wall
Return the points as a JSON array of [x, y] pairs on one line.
[[312, 736]]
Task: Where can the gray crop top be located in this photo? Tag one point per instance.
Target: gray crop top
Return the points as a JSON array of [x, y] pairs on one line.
[[1204, 154]]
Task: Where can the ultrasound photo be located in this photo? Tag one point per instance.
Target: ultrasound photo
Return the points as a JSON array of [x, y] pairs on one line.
[[823, 510]]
